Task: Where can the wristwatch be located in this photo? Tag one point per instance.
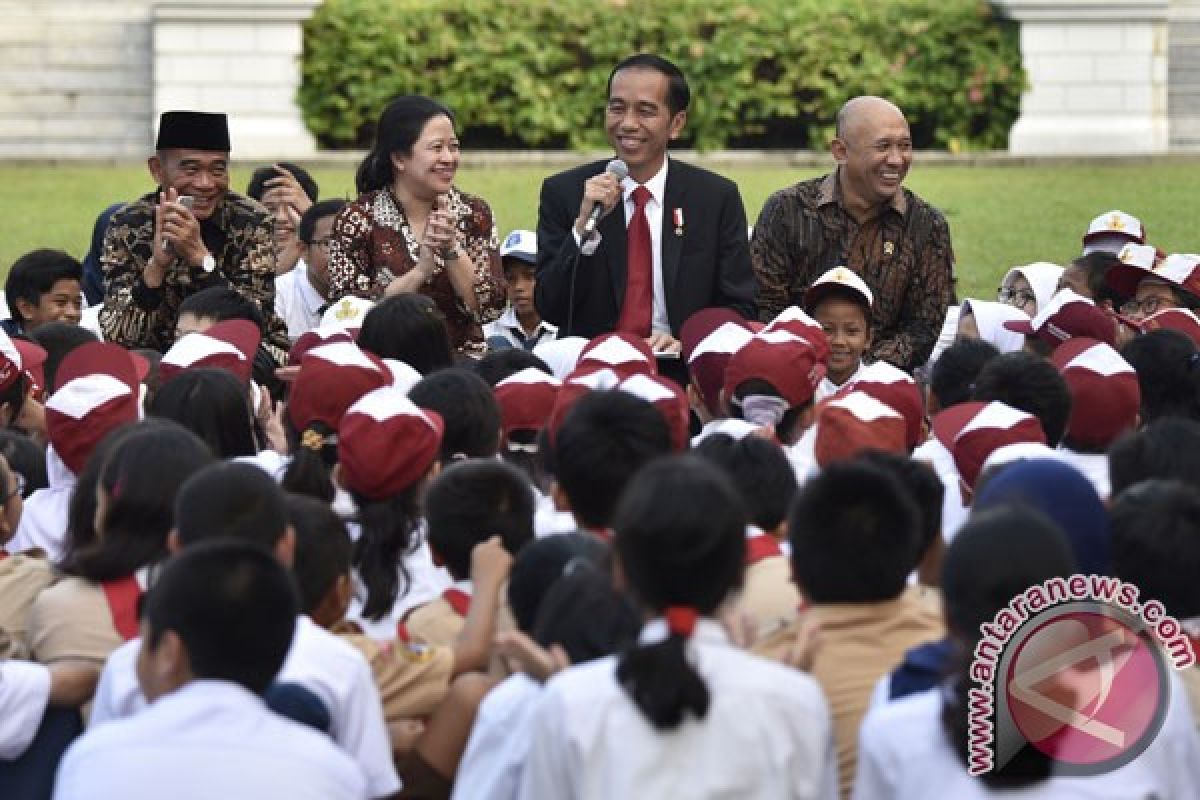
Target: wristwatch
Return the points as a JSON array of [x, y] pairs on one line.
[[209, 263]]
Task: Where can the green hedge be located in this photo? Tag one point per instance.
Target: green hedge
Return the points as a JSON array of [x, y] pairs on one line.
[[763, 73]]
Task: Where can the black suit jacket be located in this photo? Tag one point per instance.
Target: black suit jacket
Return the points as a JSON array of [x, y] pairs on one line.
[[707, 265]]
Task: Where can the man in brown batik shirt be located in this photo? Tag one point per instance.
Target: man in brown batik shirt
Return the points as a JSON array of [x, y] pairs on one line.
[[861, 217], [158, 250]]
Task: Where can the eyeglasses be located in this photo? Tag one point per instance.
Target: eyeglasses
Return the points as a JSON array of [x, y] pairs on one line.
[[1016, 297], [1145, 307], [321, 243]]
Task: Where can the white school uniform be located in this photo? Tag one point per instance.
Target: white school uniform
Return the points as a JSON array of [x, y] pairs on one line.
[[508, 328], [319, 661], [1093, 466], [827, 388], [767, 733], [24, 694], [495, 757], [903, 753], [297, 303], [426, 582], [207, 739], [954, 513], [44, 520]]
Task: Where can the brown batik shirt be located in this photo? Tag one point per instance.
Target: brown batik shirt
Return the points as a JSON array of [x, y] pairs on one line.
[[373, 243], [903, 254], [239, 234]]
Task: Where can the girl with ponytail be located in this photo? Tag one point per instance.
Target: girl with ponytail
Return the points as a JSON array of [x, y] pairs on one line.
[[683, 711]]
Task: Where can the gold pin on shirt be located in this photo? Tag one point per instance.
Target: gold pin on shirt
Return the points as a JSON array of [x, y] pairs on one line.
[[888, 248]]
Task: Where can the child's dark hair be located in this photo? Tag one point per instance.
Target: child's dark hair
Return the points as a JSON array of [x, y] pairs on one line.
[[759, 470], [315, 213], [1095, 266], [258, 180], [81, 510], [1168, 371], [408, 328], [212, 404], [500, 364], [35, 273], [1031, 384], [24, 458], [231, 499], [541, 563], [323, 548], [220, 303], [1166, 449], [680, 537], [855, 534], [471, 501], [923, 486], [586, 616], [1156, 543], [58, 339], [388, 533], [469, 409], [979, 578], [952, 379], [314, 454], [605, 438]]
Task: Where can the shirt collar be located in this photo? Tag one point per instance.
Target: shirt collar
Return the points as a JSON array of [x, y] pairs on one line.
[[657, 185], [831, 192], [312, 298], [708, 631]]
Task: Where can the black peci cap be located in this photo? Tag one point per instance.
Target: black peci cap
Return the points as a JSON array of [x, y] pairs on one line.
[[193, 130]]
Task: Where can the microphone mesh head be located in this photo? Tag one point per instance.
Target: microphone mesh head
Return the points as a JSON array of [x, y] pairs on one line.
[[618, 168]]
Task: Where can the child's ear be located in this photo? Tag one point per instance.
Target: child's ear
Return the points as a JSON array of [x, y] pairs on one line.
[[26, 309]]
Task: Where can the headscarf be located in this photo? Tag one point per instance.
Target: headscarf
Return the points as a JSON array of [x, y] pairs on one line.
[[1043, 280], [990, 317]]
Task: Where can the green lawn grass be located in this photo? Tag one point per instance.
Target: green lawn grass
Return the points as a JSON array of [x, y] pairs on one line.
[[1000, 216]]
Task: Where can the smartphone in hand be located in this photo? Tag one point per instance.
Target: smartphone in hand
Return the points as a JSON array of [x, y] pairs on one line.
[[188, 202]]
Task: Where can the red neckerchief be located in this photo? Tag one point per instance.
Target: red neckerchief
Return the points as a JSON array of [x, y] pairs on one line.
[[761, 546], [3, 554], [459, 600], [123, 595]]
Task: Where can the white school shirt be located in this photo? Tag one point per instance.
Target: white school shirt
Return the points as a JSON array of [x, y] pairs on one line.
[[491, 766], [426, 582], [321, 662], [207, 739], [903, 753], [767, 733], [1093, 466], [44, 520], [827, 388], [296, 301], [24, 695], [954, 513], [508, 327]]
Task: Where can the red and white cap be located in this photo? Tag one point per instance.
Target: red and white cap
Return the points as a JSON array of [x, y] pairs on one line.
[[896, 389], [851, 423], [386, 444], [404, 376], [788, 363], [708, 357], [972, 431], [793, 320], [20, 357], [229, 345], [1111, 231], [331, 378], [1142, 261], [666, 397], [1177, 319], [1105, 396], [838, 279], [621, 352], [315, 338], [1066, 316], [98, 391], [347, 313], [526, 400]]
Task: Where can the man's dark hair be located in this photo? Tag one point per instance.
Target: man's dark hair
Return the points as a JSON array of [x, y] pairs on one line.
[[221, 303], [1156, 543], [1096, 266], [258, 181], [233, 607], [760, 471], [1168, 371], [315, 213], [605, 438], [678, 93], [408, 328], [855, 534], [500, 364], [35, 273], [468, 409], [923, 485], [58, 339], [472, 501], [1166, 449], [1031, 384], [323, 548], [953, 376], [231, 499]]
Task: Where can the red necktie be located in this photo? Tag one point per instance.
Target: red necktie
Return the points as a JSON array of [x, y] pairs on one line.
[[638, 304]]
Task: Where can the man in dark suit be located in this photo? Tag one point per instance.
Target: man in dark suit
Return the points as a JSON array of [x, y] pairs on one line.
[[679, 244]]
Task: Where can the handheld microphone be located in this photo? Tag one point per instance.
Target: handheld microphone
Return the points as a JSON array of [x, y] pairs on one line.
[[620, 171]]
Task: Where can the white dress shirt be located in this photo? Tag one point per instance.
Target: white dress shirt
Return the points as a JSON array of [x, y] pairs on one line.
[[296, 301], [491, 766], [207, 739], [24, 694], [903, 753], [319, 661], [767, 733], [827, 388], [44, 520], [508, 327], [1093, 466], [426, 581]]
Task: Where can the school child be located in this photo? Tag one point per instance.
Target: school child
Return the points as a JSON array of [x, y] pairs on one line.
[[520, 326], [683, 707], [43, 286], [771, 382], [841, 302], [1030, 287]]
